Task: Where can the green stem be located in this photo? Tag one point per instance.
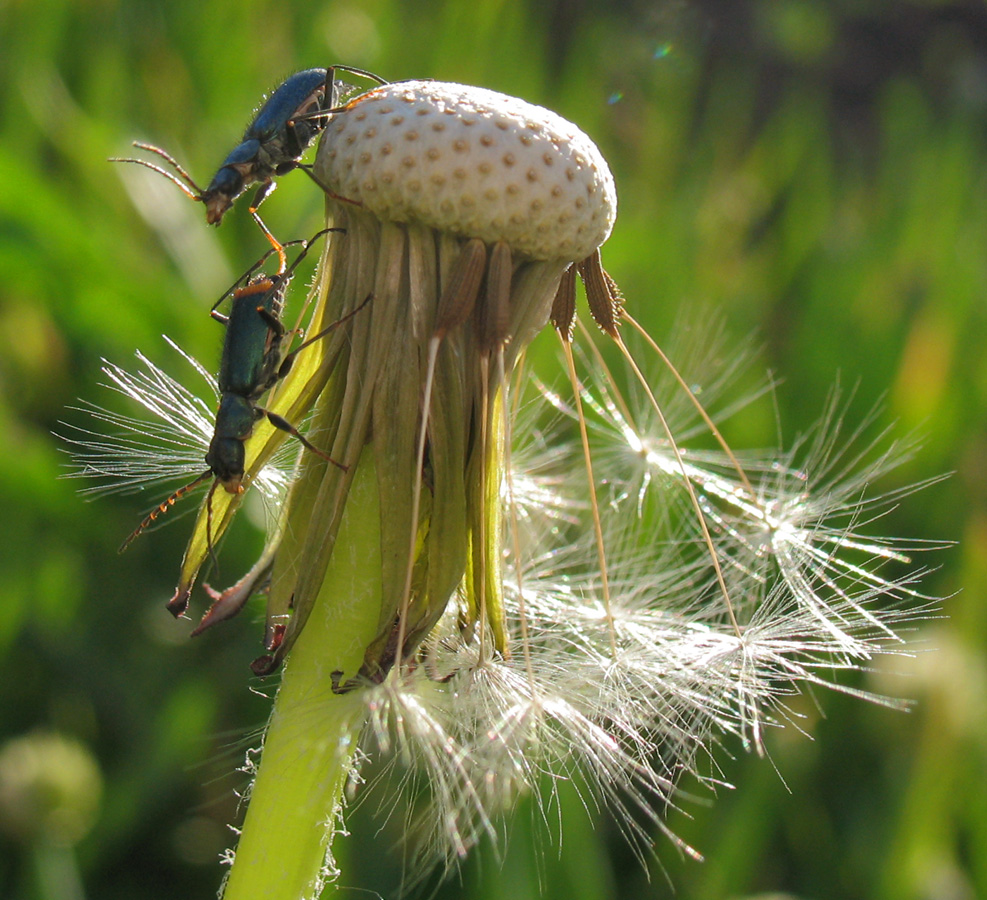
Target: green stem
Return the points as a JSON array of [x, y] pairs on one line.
[[57, 871], [296, 797]]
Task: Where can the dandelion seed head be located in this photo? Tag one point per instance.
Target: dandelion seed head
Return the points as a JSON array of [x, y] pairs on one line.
[[584, 596]]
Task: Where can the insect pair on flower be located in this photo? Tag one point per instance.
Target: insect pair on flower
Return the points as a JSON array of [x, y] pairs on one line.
[[617, 616], [254, 357]]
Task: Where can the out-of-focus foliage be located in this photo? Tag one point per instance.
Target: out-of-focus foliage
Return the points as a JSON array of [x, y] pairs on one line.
[[813, 170]]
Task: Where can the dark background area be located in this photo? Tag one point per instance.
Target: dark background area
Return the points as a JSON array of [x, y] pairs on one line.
[[811, 171]]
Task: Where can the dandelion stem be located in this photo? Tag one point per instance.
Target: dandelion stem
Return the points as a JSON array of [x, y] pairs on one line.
[[283, 852]]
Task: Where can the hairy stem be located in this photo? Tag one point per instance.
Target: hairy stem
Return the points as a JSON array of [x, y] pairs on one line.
[[283, 852]]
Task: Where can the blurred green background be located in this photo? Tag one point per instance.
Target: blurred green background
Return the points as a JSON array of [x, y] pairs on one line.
[[815, 172]]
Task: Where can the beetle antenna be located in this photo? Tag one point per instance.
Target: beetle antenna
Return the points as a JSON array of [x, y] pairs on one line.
[[285, 274], [169, 175], [162, 508], [185, 182], [167, 157]]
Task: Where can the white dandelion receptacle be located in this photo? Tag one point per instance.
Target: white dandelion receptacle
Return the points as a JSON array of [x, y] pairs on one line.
[[474, 163]]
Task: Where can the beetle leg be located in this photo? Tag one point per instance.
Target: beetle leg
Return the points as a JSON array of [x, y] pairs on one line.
[[307, 169], [282, 423], [272, 321], [262, 194], [289, 360]]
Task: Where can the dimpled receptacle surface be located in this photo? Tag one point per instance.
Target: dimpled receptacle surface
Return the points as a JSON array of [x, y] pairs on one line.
[[474, 163]]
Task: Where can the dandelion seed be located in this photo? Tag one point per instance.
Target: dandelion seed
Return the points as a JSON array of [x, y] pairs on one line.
[[165, 445]]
